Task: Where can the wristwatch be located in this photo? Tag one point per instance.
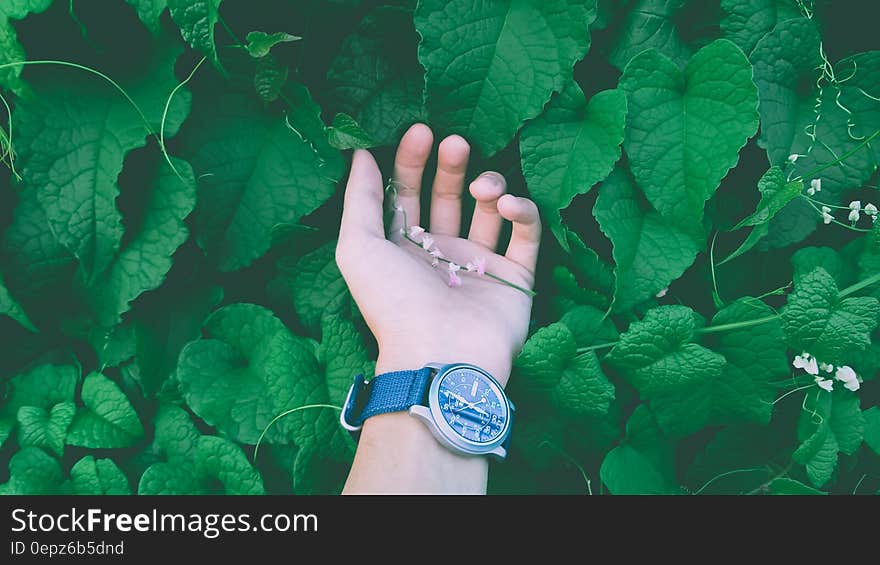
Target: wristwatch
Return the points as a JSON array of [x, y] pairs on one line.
[[463, 405]]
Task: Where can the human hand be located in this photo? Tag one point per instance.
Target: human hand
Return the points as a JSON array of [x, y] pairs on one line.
[[409, 305]]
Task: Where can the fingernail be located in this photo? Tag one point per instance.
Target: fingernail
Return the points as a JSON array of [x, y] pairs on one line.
[[492, 177]]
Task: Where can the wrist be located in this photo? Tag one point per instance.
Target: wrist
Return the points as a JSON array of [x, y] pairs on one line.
[[414, 356]]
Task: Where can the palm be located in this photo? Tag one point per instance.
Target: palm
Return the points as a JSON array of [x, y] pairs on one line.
[[405, 299], [480, 306]]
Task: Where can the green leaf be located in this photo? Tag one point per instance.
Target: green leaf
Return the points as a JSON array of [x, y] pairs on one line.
[[570, 147], [346, 133], [793, 123], [164, 329], [219, 467], [806, 259], [492, 66], [98, 476], [72, 138], [657, 356], [626, 471], [10, 50], [549, 363], [259, 43], [316, 284], [224, 461], [245, 372], [649, 251], [43, 386], [830, 423], [149, 11], [746, 21], [196, 20], [784, 485], [685, 129], [251, 369], [776, 193], [872, 428], [585, 278], [255, 172], [171, 479], [269, 78], [44, 429], [108, 419], [741, 392], [816, 320], [376, 76], [115, 345], [650, 24], [175, 434], [32, 471], [9, 307], [589, 326], [143, 263], [7, 424], [38, 267], [343, 355]]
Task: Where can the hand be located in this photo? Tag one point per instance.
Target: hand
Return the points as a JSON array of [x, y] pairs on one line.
[[408, 304]]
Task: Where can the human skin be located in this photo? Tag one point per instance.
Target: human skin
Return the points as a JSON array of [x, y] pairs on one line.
[[416, 317]]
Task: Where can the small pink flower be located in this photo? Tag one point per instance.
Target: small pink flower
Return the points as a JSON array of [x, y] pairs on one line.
[[454, 279], [478, 265], [437, 254], [454, 267], [416, 231], [427, 242]]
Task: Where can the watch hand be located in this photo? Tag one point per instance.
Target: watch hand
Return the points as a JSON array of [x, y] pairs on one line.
[[474, 406]]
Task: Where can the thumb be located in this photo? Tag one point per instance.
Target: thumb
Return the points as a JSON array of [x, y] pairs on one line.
[[362, 209]]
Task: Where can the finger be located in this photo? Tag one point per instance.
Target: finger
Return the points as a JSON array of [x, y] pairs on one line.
[[486, 223], [362, 209], [526, 235], [409, 164], [452, 159]]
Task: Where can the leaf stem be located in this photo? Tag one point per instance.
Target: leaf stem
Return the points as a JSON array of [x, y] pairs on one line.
[[283, 414], [727, 474], [842, 158], [736, 325], [595, 347], [527, 291], [859, 286]]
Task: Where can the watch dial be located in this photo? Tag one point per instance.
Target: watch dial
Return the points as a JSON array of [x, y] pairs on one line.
[[472, 405]]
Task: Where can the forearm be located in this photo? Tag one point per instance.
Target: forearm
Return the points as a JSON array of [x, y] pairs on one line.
[[398, 454]]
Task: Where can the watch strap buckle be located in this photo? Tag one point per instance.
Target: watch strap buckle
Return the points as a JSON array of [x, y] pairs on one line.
[[355, 401]]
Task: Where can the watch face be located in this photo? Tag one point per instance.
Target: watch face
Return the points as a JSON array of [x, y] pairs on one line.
[[473, 405]]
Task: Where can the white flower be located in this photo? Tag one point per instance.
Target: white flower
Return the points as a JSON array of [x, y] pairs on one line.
[[416, 231], [811, 191], [870, 210], [855, 205], [437, 254], [427, 242], [453, 267], [849, 377], [846, 374], [816, 184], [853, 216], [662, 293], [807, 363], [792, 158], [825, 384], [827, 367], [826, 215]]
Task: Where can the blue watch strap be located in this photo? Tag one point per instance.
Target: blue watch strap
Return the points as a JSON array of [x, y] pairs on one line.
[[388, 392]]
